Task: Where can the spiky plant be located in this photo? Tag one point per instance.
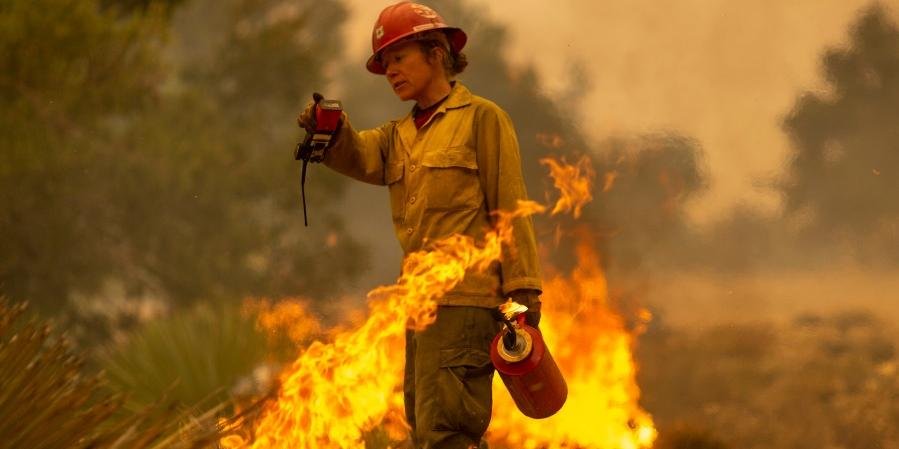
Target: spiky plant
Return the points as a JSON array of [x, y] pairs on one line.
[[48, 402], [197, 356]]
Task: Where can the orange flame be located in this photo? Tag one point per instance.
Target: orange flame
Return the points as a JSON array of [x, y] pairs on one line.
[[574, 182], [551, 140], [336, 392], [602, 409], [609, 181], [289, 317]]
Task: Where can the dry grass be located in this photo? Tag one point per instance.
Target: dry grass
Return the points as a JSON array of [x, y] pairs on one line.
[[817, 381], [47, 401]]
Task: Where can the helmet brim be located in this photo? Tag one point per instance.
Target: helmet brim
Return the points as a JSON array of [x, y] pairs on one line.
[[457, 40]]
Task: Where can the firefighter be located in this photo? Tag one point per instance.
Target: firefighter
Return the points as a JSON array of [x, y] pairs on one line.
[[448, 164]]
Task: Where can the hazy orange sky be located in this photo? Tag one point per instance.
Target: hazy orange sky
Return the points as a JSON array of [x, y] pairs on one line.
[[722, 72]]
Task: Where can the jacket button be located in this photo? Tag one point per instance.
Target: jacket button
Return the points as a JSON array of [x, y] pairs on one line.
[[412, 200], [409, 231], [413, 167]]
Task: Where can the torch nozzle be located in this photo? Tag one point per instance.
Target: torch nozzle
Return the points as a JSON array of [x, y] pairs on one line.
[[509, 339], [511, 309], [511, 313]]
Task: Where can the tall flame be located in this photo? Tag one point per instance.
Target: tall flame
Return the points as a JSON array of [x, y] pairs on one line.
[[336, 392], [592, 346]]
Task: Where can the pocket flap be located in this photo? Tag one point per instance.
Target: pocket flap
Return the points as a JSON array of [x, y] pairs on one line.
[[393, 172], [461, 156]]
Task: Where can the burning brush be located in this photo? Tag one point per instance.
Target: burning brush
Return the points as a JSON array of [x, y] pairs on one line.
[[340, 390]]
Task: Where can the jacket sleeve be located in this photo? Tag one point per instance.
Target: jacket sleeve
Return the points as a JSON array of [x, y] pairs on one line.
[[361, 154], [499, 166]]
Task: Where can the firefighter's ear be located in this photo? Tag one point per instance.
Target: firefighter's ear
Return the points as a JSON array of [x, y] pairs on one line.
[[436, 55]]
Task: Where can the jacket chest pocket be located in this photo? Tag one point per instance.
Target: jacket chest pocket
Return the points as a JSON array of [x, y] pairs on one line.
[[393, 173], [452, 181]]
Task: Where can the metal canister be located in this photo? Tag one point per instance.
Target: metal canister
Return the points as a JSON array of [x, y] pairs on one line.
[[528, 370]]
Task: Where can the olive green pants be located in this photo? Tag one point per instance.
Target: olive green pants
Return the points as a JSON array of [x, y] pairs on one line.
[[448, 378]]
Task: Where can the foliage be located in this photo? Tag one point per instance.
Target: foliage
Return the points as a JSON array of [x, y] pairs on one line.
[[131, 156], [222, 147], [47, 402], [819, 381], [67, 69], [845, 155]]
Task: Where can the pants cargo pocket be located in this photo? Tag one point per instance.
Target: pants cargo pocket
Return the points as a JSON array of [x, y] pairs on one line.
[[464, 385], [451, 378]]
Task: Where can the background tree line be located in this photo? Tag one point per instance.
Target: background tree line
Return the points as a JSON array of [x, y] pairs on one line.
[[139, 153]]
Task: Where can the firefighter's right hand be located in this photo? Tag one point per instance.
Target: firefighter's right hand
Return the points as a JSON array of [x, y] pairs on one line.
[[530, 299], [306, 119], [532, 316]]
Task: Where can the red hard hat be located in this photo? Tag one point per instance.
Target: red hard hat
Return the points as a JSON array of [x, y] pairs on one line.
[[403, 20]]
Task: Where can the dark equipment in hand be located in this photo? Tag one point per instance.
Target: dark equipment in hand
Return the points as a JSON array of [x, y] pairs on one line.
[[528, 370], [325, 121]]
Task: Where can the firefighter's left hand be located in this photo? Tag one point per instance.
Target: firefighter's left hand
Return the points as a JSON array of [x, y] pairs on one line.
[[305, 119], [530, 299]]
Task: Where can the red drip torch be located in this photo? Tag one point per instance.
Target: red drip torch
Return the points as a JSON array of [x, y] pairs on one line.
[[325, 121], [526, 366]]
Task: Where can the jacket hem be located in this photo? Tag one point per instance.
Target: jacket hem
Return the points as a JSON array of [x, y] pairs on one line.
[[487, 302], [522, 283]]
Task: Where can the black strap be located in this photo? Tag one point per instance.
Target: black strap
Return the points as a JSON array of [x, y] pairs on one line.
[[303, 190], [304, 152]]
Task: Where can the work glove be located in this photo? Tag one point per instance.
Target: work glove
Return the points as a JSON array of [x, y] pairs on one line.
[[530, 299], [306, 118]]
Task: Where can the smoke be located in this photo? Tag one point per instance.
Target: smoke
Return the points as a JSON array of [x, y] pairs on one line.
[[723, 73]]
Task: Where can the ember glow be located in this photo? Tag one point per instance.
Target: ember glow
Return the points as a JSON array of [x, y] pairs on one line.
[[336, 392]]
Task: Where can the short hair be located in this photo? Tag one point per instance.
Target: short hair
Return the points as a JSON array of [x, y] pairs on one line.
[[454, 63]]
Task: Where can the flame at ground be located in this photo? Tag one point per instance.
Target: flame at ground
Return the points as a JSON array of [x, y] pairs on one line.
[[336, 392], [333, 393], [592, 347]]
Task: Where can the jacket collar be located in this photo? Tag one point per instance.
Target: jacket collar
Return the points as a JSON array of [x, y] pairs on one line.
[[459, 97]]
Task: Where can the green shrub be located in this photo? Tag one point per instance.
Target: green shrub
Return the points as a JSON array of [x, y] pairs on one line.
[[192, 357]]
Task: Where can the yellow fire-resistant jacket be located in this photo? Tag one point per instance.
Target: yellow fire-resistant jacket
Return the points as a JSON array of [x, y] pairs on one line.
[[446, 178]]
